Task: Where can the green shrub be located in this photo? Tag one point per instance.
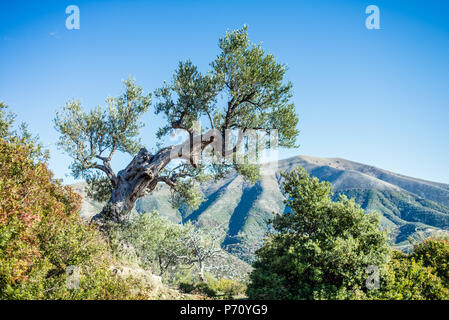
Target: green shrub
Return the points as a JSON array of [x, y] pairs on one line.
[[202, 288], [186, 287], [320, 249], [155, 241], [434, 253], [228, 288], [409, 279], [205, 288], [42, 236]]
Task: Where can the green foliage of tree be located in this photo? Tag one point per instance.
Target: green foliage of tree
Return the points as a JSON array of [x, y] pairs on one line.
[[92, 138], [254, 83], [20, 134], [244, 89], [162, 246], [320, 249], [155, 241], [6, 120]]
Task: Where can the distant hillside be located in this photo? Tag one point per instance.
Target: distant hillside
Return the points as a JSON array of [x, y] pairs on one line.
[[410, 207]]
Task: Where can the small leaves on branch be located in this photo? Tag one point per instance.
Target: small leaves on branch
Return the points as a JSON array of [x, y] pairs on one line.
[[92, 138]]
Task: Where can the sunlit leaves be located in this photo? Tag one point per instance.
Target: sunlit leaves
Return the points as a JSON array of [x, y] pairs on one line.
[[186, 98], [20, 134], [6, 120], [253, 82], [86, 136], [187, 193]]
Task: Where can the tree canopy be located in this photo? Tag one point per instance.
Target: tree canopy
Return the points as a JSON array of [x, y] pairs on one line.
[[244, 90]]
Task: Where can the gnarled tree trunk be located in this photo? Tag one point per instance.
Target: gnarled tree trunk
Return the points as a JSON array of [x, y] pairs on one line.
[[136, 180], [142, 175]]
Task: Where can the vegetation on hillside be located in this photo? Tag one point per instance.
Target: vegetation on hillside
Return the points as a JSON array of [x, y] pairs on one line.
[[44, 244], [406, 213], [184, 256], [47, 251], [323, 249], [323, 246], [241, 210]]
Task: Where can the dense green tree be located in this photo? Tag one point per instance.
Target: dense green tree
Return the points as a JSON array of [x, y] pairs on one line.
[[320, 249], [244, 89]]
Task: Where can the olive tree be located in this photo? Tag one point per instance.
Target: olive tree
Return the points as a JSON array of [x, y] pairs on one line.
[[202, 247], [244, 89]]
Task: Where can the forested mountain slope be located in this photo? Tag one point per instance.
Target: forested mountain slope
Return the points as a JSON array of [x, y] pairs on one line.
[[410, 207]]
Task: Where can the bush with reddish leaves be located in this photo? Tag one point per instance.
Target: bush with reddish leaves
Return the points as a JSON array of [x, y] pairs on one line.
[[41, 235]]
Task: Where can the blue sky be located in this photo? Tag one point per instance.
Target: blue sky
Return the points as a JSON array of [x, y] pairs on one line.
[[379, 97]]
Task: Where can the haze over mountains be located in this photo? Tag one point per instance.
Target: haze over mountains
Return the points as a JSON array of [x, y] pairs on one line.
[[410, 207]]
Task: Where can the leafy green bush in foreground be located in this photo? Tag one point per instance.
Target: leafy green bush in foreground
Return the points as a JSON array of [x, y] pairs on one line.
[[324, 250]]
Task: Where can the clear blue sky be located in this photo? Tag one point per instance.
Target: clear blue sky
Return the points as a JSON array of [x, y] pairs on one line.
[[379, 97]]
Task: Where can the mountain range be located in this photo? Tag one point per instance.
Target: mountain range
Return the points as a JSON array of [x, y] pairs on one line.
[[411, 208]]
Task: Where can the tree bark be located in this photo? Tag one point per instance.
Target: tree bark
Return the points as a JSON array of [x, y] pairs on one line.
[[202, 278], [136, 180]]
